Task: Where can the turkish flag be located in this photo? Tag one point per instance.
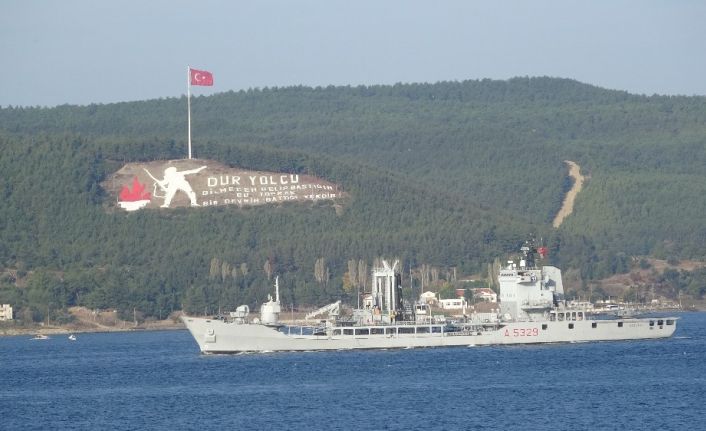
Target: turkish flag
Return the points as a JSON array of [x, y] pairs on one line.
[[201, 77]]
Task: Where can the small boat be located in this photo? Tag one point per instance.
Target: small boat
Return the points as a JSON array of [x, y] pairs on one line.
[[72, 337], [40, 337]]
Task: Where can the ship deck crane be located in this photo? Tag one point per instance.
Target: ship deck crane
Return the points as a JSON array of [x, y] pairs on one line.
[[332, 310]]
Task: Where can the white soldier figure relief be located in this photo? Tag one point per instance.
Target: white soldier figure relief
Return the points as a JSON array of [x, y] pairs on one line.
[[173, 182]]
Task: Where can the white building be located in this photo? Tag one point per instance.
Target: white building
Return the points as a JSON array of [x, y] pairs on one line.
[[5, 312], [428, 298], [453, 304], [485, 294]]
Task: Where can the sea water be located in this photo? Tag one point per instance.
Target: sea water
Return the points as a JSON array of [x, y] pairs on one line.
[[159, 380]]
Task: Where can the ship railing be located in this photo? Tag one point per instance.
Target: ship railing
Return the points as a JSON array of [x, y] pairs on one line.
[[437, 329], [303, 329], [527, 278], [466, 331]]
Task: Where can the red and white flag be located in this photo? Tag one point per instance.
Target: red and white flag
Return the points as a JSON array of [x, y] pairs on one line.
[[201, 77]]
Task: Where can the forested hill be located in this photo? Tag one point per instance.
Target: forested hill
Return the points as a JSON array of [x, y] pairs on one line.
[[447, 175]]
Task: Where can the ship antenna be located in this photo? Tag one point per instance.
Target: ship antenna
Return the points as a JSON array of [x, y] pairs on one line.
[[277, 289]]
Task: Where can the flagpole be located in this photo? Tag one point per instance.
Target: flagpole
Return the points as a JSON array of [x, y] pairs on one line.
[[188, 103]]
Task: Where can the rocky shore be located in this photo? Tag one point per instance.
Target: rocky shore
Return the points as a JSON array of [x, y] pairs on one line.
[[90, 321]]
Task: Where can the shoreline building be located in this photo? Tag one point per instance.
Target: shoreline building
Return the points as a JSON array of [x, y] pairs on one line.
[[484, 294], [5, 312]]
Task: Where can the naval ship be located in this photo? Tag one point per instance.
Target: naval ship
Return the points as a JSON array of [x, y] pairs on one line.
[[532, 310]]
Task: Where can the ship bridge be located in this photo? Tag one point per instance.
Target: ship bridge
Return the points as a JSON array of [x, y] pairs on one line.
[[528, 291]]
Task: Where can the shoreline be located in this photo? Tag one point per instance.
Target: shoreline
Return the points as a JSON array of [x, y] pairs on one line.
[[90, 321], [19, 330]]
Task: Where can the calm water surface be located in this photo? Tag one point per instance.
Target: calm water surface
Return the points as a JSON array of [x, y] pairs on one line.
[[158, 380]]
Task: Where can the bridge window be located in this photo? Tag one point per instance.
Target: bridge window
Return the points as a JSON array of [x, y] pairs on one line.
[[670, 322]]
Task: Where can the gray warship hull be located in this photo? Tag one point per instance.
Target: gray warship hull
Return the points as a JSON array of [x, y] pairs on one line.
[[532, 310], [219, 336]]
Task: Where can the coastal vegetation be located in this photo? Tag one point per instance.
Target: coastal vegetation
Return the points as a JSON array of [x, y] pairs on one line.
[[445, 177]]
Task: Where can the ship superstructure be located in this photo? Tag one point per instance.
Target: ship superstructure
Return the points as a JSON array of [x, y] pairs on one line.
[[526, 291]]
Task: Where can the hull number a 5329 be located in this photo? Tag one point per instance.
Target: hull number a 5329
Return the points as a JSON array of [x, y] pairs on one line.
[[522, 332]]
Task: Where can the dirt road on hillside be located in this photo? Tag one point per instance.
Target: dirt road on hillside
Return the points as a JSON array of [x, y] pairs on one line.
[[568, 206]]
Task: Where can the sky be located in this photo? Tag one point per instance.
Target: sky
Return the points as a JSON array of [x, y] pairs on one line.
[[81, 52]]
